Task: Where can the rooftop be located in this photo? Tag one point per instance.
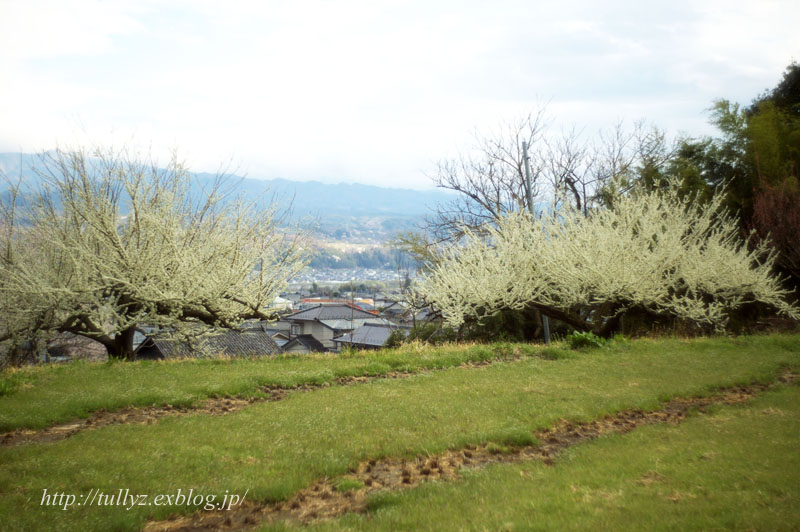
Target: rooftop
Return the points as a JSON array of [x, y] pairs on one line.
[[331, 312], [369, 334], [228, 342]]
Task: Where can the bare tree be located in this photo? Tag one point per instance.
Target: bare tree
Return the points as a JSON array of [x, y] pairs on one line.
[[489, 178], [590, 173]]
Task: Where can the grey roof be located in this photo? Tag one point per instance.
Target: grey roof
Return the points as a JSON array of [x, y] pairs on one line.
[[266, 326], [349, 325], [330, 312], [307, 341], [228, 342], [370, 334], [426, 314]]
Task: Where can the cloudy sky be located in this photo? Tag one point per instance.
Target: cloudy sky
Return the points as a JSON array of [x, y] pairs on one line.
[[373, 91]]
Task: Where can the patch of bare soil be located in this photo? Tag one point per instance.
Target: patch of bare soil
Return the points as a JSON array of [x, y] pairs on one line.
[[150, 414], [322, 499]]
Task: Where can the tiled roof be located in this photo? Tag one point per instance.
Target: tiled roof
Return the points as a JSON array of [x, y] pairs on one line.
[[370, 334], [229, 342], [349, 325], [331, 312]]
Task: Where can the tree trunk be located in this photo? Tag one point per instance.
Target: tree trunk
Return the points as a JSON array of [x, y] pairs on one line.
[[612, 326], [122, 346], [533, 318]]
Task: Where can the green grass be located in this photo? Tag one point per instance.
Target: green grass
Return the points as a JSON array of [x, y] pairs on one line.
[[348, 484], [37, 397], [737, 469], [274, 449]]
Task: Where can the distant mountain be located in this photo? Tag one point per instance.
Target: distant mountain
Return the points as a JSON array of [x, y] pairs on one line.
[[341, 210], [317, 198]]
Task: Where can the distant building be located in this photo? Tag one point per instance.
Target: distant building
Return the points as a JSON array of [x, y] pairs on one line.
[[360, 302], [305, 343], [281, 337], [280, 304], [396, 310], [368, 336], [325, 322]]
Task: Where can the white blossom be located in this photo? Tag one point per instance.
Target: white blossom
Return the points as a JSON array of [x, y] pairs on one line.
[[653, 251], [75, 260]]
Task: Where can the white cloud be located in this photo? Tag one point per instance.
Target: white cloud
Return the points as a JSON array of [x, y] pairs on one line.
[[34, 29], [368, 91]]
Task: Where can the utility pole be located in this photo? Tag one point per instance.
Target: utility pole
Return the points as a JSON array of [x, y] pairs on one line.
[[529, 194]]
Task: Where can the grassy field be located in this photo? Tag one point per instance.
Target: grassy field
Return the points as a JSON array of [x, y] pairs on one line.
[[36, 397], [273, 449], [736, 469]]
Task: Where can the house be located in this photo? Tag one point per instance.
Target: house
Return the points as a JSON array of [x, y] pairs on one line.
[[368, 336], [280, 336], [361, 302], [396, 310], [247, 343], [281, 304], [279, 330], [305, 343], [325, 322], [383, 301], [426, 314]]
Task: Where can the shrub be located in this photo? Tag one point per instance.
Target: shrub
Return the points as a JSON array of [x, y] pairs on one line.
[[580, 340]]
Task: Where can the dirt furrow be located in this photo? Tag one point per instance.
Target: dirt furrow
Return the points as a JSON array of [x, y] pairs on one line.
[[323, 500], [146, 415], [215, 406]]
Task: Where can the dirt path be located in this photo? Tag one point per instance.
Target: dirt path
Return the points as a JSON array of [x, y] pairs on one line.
[[323, 500]]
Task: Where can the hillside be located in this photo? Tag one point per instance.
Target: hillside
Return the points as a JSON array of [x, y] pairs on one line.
[[648, 434]]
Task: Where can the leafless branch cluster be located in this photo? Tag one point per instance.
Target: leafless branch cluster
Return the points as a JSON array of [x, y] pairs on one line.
[[571, 167]]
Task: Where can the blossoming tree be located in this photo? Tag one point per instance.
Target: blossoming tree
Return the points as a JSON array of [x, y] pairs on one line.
[[111, 242], [653, 252]]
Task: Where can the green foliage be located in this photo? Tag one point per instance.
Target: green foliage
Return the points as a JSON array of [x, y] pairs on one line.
[[396, 338], [348, 484], [554, 352], [348, 351], [773, 143], [507, 325], [418, 251], [786, 94], [8, 383], [584, 340], [431, 333]]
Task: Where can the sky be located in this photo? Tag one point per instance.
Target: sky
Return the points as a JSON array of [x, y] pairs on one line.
[[369, 91]]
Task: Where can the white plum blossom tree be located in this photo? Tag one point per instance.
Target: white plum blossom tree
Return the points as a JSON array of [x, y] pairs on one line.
[[112, 242], [653, 252]]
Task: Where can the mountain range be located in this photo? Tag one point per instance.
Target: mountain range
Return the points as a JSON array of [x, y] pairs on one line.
[[343, 210]]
